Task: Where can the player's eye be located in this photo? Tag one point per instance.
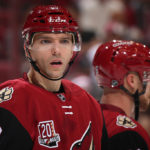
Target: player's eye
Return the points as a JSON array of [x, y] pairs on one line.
[[65, 41], [45, 41]]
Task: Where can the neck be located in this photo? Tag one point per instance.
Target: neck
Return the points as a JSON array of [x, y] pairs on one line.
[[119, 99], [36, 79]]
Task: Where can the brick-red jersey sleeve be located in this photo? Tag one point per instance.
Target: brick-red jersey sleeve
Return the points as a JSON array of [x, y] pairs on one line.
[[124, 132]]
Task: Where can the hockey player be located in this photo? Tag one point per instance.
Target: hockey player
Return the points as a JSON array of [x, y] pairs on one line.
[[41, 111], [122, 69]]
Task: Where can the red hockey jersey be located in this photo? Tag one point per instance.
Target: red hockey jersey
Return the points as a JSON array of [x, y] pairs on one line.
[[124, 133], [33, 118]]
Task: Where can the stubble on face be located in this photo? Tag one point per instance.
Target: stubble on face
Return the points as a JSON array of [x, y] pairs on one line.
[[52, 65]]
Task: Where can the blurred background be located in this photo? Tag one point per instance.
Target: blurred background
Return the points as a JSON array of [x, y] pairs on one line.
[[99, 21]]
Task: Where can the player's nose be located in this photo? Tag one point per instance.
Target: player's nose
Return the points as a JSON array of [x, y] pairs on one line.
[[55, 49]]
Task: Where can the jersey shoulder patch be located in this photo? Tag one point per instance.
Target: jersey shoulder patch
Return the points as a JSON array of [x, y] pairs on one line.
[[125, 122], [6, 94]]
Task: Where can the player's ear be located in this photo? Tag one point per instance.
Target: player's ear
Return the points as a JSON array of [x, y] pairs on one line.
[[131, 82]]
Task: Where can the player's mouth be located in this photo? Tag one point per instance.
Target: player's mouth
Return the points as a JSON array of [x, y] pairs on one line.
[[56, 63]]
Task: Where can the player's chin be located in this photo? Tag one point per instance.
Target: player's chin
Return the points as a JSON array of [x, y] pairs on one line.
[[55, 75]]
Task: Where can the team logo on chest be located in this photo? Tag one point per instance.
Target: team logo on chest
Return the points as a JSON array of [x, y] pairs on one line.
[[47, 135], [6, 94], [125, 122]]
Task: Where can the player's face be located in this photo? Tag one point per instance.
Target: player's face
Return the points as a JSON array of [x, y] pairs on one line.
[[52, 52], [145, 98]]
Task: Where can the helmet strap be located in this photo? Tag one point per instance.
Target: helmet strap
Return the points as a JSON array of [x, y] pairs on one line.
[[136, 100], [137, 104]]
